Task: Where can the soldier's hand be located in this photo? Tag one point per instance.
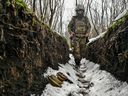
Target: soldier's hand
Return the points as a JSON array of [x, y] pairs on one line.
[[72, 34], [87, 40], [87, 34]]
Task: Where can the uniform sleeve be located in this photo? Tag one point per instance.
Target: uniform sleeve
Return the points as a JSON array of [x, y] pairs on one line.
[[71, 26], [88, 25]]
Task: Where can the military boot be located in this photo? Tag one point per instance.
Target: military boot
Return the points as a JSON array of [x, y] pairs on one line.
[[77, 61]]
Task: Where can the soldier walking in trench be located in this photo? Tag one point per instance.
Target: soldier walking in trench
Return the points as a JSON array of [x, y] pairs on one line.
[[79, 29]]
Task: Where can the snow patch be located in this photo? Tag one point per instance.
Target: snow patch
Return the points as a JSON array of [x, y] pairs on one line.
[[66, 87], [102, 34], [97, 37], [104, 84], [121, 15]]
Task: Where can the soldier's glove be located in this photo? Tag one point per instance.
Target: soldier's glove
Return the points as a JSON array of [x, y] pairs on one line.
[[72, 35], [87, 40]]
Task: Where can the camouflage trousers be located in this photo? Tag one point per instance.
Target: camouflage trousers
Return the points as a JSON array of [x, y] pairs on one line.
[[78, 46]]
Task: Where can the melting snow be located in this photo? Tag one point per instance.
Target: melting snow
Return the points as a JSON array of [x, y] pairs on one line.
[[104, 84], [97, 37], [102, 34], [121, 15]]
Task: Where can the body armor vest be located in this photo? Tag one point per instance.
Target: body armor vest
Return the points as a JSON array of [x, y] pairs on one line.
[[80, 26]]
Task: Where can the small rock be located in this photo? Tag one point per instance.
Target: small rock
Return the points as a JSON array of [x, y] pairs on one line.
[[83, 91], [82, 80], [80, 75], [83, 70], [84, 86]]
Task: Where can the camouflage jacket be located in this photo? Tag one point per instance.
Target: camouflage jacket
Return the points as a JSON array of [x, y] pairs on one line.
[[79, 26]]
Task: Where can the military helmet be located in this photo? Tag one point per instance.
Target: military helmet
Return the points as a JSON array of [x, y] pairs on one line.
[[79, 7]]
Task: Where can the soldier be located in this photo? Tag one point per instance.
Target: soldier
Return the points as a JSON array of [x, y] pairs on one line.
[[79, 29]]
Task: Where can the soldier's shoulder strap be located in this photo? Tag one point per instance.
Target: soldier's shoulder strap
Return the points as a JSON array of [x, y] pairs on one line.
[[86, 19], [73, 22]]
